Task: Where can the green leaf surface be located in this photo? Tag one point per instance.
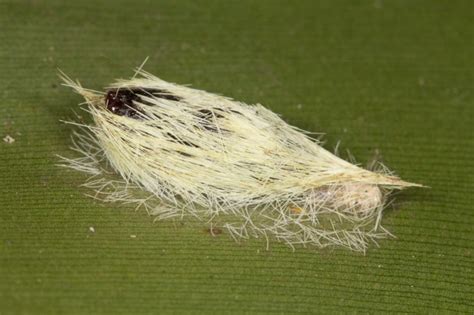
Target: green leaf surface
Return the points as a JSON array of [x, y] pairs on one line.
[[392, 76]]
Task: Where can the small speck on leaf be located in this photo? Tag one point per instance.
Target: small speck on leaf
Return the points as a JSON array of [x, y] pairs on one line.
[[214, 231], [8, 139], [91, 229]]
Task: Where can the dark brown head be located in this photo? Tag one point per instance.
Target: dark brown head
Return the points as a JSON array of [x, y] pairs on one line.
[[120, 102]]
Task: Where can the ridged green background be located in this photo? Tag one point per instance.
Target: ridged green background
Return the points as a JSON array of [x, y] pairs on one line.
[[394, 76]]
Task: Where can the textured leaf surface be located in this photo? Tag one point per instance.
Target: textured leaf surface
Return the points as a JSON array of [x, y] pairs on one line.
[[393, 76]]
